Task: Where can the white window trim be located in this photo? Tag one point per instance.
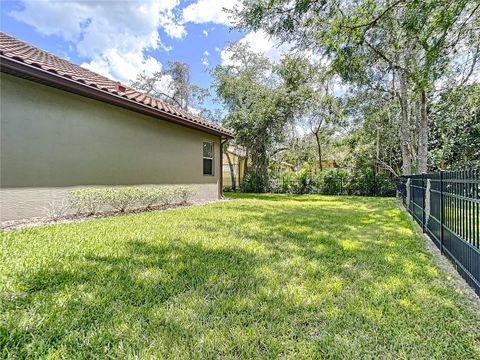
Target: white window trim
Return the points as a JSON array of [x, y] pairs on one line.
[[209, 158]]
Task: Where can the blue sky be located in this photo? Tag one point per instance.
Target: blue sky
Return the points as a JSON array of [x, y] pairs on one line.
[[121, 38]]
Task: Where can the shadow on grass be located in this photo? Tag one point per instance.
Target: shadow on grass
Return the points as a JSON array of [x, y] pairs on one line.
[[147, 277], [316, 276]]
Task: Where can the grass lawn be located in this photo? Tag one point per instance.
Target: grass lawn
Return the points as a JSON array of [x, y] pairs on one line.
[[258, 277]]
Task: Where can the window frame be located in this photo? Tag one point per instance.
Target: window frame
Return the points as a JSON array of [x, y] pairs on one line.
[[208, 158]]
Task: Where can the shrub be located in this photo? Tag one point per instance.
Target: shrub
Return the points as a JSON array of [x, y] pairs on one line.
[[146, 197], [184, 193], [385, 186], [329, 182], [304, 182], [122, 197], [87, 201], [166, 195], [282, 184], [254, 183], [335, 182], [90, 201], [56, 210]]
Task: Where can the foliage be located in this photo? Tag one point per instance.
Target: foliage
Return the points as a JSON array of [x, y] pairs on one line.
[[401, 53], [166, 195], [91, 201], [261, 99], [88, 201], [56, 210], [184, 193], [120, 198], [363, 182], [300, 182], [335, 182], [254, 183], [172, 85], [146, 197], [264, 276], [455, 143]]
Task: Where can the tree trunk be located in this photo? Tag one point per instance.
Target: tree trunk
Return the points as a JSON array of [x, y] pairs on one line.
[[404, 125], [422, 134], [319, 146], [232, 171]]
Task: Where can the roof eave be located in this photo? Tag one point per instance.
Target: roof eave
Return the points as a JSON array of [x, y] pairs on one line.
[[29, 72]]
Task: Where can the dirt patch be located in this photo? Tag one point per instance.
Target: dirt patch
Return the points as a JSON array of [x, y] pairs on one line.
[[10, 225]]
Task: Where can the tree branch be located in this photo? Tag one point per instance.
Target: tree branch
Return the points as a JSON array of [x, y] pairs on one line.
[[474, 62], [379, 53], [375, 20], [386, 166]]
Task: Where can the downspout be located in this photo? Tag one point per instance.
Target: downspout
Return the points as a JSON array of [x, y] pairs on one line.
[[220, 191]]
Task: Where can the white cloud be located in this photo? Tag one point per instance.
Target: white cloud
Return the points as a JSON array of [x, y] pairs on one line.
[[113, 35], [205, 32], [193, 110], [205, 11], [64, 19], [204, 59], [175, 30], [260, 43]]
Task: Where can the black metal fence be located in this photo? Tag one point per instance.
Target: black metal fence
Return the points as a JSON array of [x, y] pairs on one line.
[[447, 206], [380, 185]]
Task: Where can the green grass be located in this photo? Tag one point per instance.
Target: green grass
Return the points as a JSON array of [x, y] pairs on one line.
[[269, 276]]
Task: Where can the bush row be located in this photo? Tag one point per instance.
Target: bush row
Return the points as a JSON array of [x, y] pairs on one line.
[[90, 201], [329, 182]]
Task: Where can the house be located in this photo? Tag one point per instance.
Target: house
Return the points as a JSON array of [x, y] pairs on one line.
[[65, 127], [233, 164]]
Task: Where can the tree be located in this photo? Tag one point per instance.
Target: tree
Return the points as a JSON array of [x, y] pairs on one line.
[[323, 117], [374, 127], [173, 86], [455, 143], [261, 99], [398, 47]]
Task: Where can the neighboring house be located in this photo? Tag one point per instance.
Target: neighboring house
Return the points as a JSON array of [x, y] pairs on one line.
[[233, 163], [283, 166], [64, 127]]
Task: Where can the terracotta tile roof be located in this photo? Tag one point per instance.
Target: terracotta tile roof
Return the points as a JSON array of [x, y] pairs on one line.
[[14, 49]]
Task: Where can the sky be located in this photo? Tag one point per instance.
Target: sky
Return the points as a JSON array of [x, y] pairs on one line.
[[120, 39]]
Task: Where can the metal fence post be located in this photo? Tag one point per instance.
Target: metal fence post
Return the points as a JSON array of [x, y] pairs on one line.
[[453, 203], [423, 202], [441, 211], [411, 197]]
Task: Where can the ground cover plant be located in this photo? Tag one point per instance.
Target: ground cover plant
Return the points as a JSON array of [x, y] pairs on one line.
[[262, 276]]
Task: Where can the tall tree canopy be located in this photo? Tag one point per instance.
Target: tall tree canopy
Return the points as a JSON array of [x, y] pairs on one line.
[[398, 49], [261, 99], [172, 85]]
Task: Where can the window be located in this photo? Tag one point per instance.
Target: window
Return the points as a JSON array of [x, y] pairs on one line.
[[207, 158]]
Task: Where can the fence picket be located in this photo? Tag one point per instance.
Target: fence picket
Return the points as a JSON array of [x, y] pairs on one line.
[[453, 218]]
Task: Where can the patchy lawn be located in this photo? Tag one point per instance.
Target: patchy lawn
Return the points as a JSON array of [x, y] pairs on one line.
[[262, 276]]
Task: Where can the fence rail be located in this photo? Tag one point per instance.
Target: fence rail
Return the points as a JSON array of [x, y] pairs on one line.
[[447, 206]]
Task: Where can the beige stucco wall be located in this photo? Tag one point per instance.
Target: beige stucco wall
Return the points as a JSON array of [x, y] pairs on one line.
[[52, 140]]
